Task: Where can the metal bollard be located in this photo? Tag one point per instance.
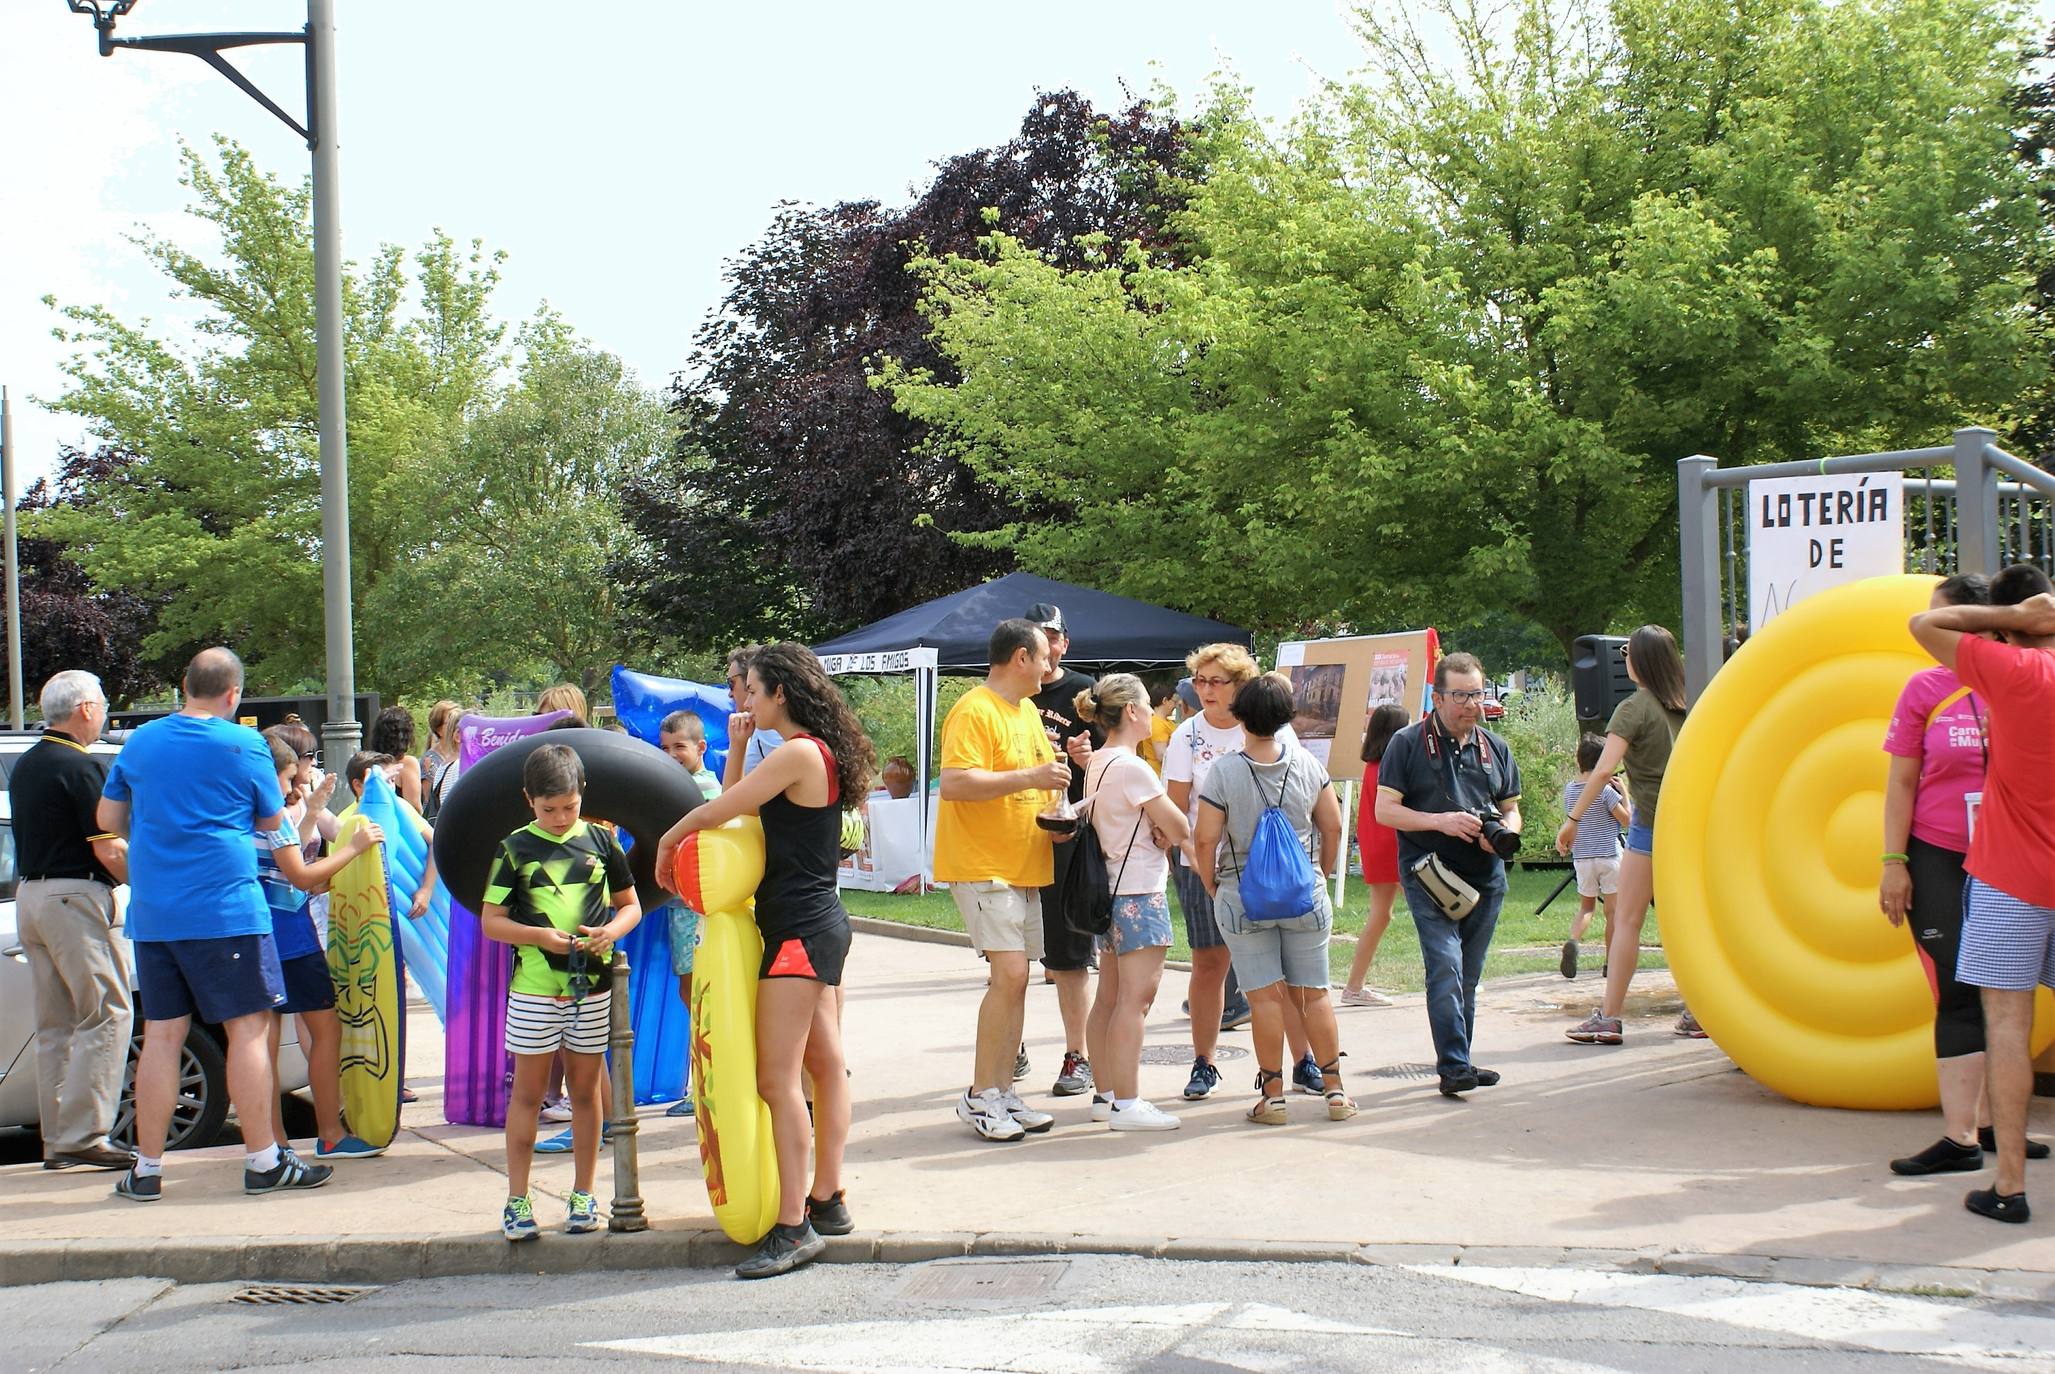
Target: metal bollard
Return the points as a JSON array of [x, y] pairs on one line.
[[626, 1213]]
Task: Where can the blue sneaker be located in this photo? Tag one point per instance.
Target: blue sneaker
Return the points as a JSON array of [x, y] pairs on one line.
[[682, 1107], [582, 1218], [1306, 1077], [349, 1147], [1205, 1078], [560, 1143], [517, 1220]]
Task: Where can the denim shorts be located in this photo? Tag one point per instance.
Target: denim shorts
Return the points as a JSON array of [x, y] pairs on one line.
[[308, 986], [1641, 835], [216, 980], [684, 938], [1141, 920]]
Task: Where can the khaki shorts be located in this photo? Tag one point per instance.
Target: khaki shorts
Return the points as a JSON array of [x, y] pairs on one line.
[[1597, 877], [1000, 916]]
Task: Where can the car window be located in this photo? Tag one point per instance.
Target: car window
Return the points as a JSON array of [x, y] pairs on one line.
[[8, 874]]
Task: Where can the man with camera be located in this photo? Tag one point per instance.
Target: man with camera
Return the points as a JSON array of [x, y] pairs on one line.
[[1451, 789]]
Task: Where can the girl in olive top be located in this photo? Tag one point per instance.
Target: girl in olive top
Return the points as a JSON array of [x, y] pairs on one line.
[[1640, 735]]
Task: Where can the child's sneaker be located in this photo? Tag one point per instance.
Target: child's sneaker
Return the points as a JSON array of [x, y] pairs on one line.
[[517, 1220], [582, 1217], [349, 1147]]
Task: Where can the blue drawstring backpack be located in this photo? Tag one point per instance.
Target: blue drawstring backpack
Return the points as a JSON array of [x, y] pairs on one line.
[[1277, 881]]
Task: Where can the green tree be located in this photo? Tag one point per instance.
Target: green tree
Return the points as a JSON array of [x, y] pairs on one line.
[[1438, 345], [524, 522], [216, 521]]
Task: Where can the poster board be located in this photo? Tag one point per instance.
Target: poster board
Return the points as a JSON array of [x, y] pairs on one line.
[[1336, 683], [1806, 534], [892, 847]]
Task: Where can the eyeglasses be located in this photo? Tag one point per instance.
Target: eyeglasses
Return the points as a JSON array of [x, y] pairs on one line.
[[1460, 698], [313, 758], [1212, 682]]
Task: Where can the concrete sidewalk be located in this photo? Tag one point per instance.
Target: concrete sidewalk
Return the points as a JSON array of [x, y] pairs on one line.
[[1656, 1154]]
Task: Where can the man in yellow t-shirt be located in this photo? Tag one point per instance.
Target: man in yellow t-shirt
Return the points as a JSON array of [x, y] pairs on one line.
[[998, 771]]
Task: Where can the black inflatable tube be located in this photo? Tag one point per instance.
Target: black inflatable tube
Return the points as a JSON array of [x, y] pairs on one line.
[[637, 786]]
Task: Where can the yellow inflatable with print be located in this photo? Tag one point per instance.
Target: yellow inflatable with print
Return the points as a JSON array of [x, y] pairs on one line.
[[369, 1001], [717, 872], [1766, 863]]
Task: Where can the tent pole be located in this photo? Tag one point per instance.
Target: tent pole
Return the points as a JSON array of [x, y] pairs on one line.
[[1341, 871], [924, 720]]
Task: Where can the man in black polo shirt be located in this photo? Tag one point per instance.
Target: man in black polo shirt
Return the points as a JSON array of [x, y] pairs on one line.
[[1437, 781], [1066, 950], [65, 909]]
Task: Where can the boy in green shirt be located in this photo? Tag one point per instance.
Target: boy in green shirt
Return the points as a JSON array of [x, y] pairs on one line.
[[560, 893]]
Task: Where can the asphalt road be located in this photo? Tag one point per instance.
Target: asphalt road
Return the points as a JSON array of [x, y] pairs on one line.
[[1036, 1316]]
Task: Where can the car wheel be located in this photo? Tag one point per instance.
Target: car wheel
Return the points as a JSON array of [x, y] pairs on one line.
[[201, 1107]]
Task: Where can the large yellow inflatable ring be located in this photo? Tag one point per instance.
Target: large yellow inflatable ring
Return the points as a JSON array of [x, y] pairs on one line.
[[1766, 858]]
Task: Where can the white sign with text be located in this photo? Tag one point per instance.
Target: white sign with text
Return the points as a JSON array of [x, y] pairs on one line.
[[1806, 534]]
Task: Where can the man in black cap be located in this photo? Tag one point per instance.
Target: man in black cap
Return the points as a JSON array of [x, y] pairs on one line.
[[1066, 950]]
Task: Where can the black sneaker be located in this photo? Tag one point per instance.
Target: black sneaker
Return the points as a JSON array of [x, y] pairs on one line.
[[1944, 1156], [1205, 1078], [139, 1187], [1486, 1078], [783, 1249], [1454, 1084], [1988, 1138], [290, 1172], [829, 1217], [1989, 1202]]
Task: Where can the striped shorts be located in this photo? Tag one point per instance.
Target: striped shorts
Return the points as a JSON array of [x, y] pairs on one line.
[[544, 1025], [2007, 944]]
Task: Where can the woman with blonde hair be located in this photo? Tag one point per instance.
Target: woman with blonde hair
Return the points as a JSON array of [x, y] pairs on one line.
[[1135, 821], [565, 696], [443, 759], [1218, 672]]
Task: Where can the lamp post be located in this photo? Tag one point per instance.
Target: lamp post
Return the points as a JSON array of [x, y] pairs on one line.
[[341, 733]]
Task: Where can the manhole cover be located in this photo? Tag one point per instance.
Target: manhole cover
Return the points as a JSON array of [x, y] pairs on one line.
[[276, 1294], [1182, 1054], [1403, 1071], [1013, 1281]]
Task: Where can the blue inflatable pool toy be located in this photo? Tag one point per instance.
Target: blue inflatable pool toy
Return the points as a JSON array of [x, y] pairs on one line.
[[426, 942]]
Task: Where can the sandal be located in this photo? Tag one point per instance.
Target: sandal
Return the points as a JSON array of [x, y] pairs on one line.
[[1268, 1111], [1339, 1107]]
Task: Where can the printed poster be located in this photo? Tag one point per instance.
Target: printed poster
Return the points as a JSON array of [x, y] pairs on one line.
[[1336, 683]]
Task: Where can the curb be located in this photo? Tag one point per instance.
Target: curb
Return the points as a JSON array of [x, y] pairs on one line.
[[398, 1259]]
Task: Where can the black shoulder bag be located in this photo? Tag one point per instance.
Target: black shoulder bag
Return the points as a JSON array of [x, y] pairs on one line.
[[1087, 894]]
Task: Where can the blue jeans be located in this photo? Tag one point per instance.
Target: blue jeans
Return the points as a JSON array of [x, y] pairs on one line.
[[1453, 952]]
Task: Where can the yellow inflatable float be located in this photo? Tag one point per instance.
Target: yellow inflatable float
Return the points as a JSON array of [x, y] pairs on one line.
[[717, 873], [1766, 858]]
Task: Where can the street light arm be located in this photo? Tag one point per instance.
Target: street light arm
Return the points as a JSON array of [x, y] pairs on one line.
[[208, 48]]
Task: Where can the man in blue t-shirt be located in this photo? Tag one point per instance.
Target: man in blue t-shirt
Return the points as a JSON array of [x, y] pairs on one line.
[[189, 792]]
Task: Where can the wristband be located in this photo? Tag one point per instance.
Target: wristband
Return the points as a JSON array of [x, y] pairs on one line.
[[1897, 858]]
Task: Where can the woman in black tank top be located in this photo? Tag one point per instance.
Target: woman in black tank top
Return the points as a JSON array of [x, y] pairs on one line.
[[799, 791]]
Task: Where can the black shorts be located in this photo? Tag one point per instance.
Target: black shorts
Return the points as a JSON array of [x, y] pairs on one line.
[[307, 984], [819, 956], [1064, 947]]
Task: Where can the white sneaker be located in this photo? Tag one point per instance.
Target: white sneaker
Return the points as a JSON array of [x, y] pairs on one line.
[[986, 1114], [1102, 1107], [1144, 1115], [1029, 1119], [557, 1111], [1367, 997]]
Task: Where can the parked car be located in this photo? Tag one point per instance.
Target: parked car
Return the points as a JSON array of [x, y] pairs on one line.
[[202, 1105]]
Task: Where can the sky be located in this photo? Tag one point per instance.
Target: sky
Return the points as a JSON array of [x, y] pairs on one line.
[[618, 152]]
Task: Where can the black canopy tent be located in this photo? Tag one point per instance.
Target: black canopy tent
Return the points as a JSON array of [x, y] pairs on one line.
[[1104, 629], [950, 633]]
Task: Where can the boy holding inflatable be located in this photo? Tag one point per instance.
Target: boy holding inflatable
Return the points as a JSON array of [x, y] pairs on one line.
[[561, 894], [683, 736]]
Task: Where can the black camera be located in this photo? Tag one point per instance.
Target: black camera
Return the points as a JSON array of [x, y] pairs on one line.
[[1504, 842]]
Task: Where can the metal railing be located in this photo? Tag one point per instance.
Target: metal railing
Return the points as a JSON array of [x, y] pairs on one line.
[[1996, 509]]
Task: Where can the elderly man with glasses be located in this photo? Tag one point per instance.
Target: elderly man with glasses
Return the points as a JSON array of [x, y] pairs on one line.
[[1451, 789], [70, 867]]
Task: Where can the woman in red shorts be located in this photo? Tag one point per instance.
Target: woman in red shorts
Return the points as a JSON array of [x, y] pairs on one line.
[[1379, 847]]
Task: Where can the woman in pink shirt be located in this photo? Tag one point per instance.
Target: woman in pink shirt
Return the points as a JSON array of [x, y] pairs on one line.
[[1939, 752]]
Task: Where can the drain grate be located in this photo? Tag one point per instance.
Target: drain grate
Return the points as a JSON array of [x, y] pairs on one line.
[[1182, 1054], [290, 1294], [1008, 1281], [1402, 1071]]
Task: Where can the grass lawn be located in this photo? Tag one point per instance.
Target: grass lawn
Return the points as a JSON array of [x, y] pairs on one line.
[[1525, 942]]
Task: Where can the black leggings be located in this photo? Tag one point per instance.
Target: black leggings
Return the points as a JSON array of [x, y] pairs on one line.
[[1936, 917]]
